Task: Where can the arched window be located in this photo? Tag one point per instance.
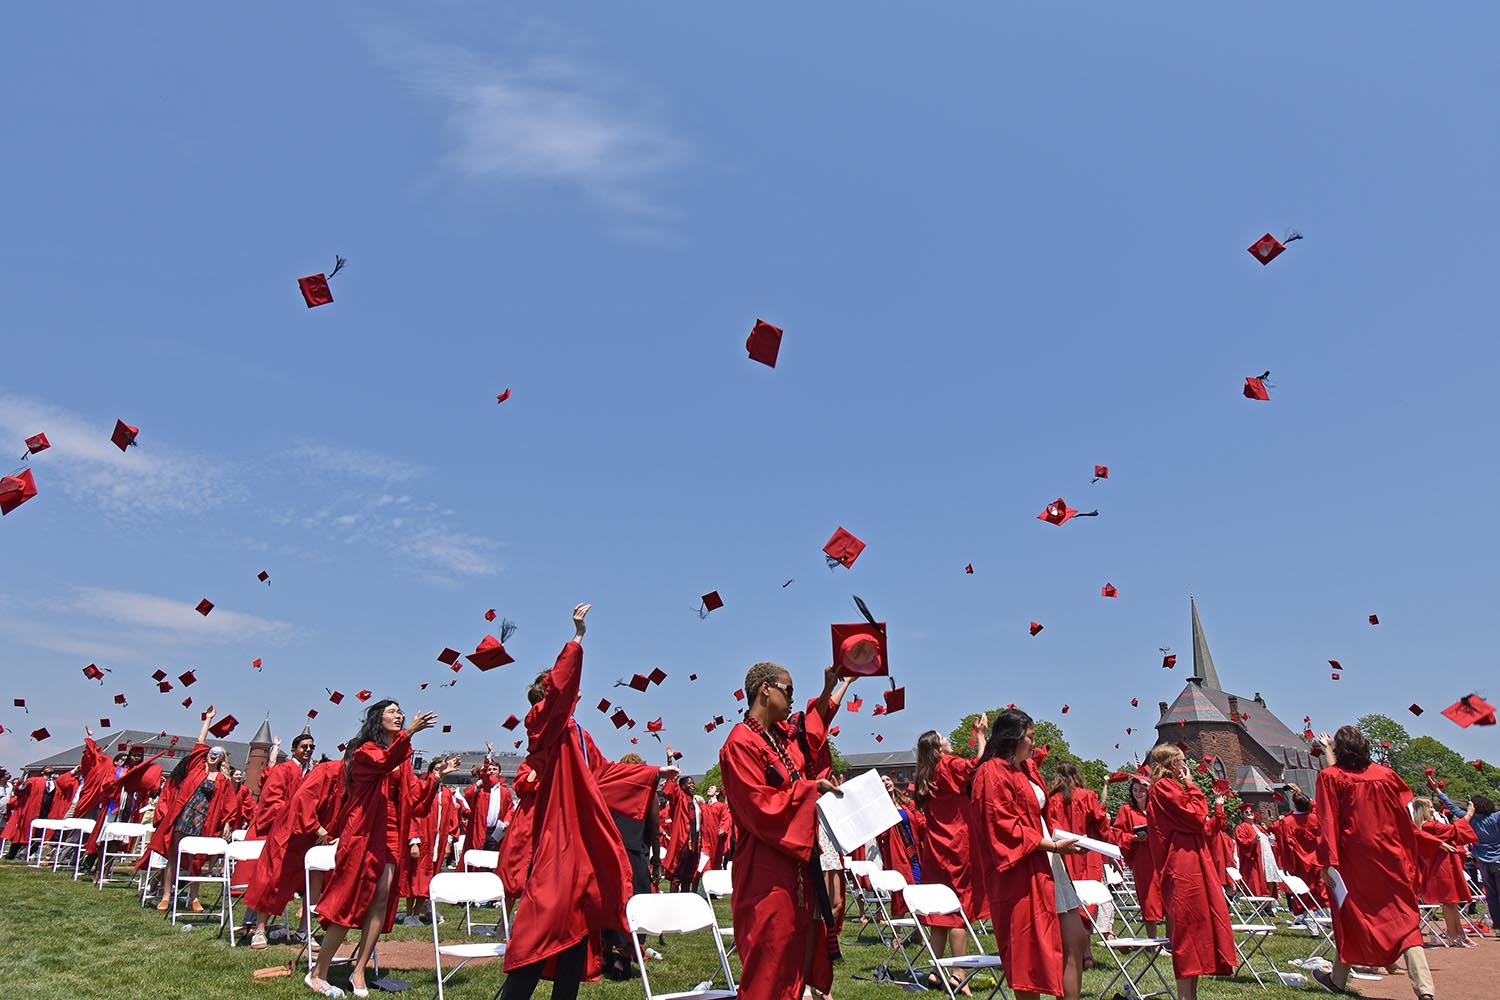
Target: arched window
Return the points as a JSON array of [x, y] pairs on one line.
[[1219, 769]]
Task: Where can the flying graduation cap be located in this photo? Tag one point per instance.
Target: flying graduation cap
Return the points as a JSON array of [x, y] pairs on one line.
[[639, 682], [1058, 512], [491, 651], [510, 722], [1470, 710], [264, 577], [93, 673], [187, 702], [860, 648], [1169, 661], [842, 549], [619, 718], [188, 678], [224, 726], [314, 287], [40, 734], [969, 569], [855, 704], [895, 699], [124, 435], [1100, 472], [1268, 247], [764, 343], [656, 676], [1036, 627], [711, 601], [1109, 590], [34, 444], [204, 607], [16, 490], [502, 396], [489, 615], [1256, 386], [1374, 619]]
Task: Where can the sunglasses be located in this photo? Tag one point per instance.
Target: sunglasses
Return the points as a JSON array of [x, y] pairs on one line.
[[786, 689]]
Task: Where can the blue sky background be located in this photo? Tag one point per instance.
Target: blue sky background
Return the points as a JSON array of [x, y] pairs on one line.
[[1006, 242]]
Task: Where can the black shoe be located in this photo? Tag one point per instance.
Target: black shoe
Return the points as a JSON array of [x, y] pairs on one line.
[[1325, 980]]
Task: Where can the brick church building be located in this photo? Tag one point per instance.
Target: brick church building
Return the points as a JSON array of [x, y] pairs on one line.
[[1250, 746]]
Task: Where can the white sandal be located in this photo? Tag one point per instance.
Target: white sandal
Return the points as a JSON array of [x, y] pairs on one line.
[[326, 990]]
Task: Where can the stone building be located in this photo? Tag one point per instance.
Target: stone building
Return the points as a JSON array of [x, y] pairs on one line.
[[1251, 747]]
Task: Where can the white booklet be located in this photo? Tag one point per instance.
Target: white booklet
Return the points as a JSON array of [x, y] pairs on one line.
[[863, 812], [1340, 890], [1089, 844]]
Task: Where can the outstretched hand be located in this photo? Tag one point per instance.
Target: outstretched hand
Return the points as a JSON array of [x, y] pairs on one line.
[[419, 722], [579, 613]]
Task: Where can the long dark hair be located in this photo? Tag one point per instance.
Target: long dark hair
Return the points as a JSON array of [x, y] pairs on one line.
[[929, 752], [1006, 733], [1063, 780], [370, 731], [1351, 750], [179, 773]]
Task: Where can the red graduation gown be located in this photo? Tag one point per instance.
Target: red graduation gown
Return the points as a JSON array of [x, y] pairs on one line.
[[173, 798], [1137, 854], [945, 817], [515, 848], [276, 788], [683, 806], [434, 833], [1297, 843], [1086, 817], [716, 833], [477, 795], [382, 780], [24, 807], [1221, 846], [578, 874], [899, 847], [1017, 876], [98, 772], [1252, 868], [129, 782], [319, 798], [1365, 832], [65, 785], [1442, 873], [1202, 941], [775, 896]]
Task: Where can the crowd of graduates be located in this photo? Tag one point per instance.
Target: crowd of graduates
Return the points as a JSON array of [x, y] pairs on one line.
[[576, 834]]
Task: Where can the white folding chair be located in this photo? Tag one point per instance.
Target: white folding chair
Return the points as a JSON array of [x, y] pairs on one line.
[[467, 888], [1249, 943], [887, 884], [157, 863], [207, 848], [1134, 957], [675, 913], [38, 834], [238, 851], [933, 899], [118, 833], [321, 859], [1258, 908], [1127, 904], [865, 898], [1317, 923], [73, 835], [717, 884], [489, 861]]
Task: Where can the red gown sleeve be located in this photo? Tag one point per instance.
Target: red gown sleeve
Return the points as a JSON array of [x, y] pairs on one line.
[[419, 793], [1187, 810], [547, 722], [372, 760], [1012, 833], [783, 816], [1329, 820]]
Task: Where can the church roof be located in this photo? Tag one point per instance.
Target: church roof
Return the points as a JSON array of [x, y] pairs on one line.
[[1253, 781]]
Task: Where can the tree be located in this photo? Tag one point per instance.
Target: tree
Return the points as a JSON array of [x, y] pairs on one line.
[[1091, 772], [713, 777], [1410, 757], [1388, 738]]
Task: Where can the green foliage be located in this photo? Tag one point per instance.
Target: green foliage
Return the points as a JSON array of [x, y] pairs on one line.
[[713, 777], [1048, 734], [1410, 756], [840, 766], [1380, 729]]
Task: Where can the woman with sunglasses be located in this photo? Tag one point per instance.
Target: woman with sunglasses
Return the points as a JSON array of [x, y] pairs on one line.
[[776, 879], [195, 801]]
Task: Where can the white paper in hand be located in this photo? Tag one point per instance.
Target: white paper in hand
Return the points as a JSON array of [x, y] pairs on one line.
[[1089, 844], [863, 812], [1339, 890]]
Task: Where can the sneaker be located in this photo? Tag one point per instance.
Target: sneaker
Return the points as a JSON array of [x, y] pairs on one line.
[[258, 941]]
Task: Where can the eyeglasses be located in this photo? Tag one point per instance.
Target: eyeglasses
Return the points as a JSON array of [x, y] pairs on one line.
[[786, 689]]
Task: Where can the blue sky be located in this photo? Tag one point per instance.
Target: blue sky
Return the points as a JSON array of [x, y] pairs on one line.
[[1005, 242]]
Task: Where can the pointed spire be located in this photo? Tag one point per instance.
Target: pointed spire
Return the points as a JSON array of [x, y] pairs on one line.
[[262, 737], [306, 730], [1203, 661]]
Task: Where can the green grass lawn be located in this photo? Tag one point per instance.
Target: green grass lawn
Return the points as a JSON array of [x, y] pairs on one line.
[[64, 940]]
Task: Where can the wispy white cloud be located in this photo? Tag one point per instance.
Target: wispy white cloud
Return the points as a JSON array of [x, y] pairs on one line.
[[547, 119], [175, 618], [153, 477], [335, 461]]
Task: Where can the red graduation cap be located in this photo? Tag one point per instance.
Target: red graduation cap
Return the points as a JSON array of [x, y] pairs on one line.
[[1036, 627], [489, 615], [16, 490], [639, 682], [1065, 710], [635, 739], [711, 601], [878, 710], [40, 734], [263, 576], [255, 663], [491, 651], [224, 726], [969, 569], [1385, 744], [1414, 708], [104, 723], [449, 656], [1268, 247], [1255, 388], [164, 687], [855, 704], [36, 443], [692, 677], [422, 686], [1101, 472], [312, 713], [879, 738], [1374, 619], [120, 699], [1129, 730], [456, 668], [517, 744], [1471, 710], [718, 720], [188, 678], [93, 673], [708, 727], [447, 728], [619, 718], [654, 726], [511, 722], [657, 675], [314, 287], [676, 754], [159, 676], [604, 704], [1109, 590], [764, 343], [739, 694], [1135, 703], [124, 435], [335, 696], [1057, 512], [187, 702], [204, 607], [364, 695], [1117, 777], [502, 397], [833, 731], [895, 699], [860, 650], [842, 549], [1169, 661]]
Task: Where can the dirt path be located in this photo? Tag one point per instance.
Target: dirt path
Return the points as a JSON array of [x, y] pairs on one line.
[[1457, 974]]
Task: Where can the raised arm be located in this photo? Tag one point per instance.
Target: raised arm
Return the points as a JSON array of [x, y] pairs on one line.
[[208, 718]]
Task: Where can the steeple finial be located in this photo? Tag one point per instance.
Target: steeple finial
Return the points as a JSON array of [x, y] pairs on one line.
[[1203, 661]]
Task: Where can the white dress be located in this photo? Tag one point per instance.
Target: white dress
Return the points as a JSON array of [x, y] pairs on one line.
[[1066, 896]]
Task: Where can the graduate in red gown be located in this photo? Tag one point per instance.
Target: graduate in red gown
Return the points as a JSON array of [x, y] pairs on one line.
[[196, 801], [382, 799], [720, 827], [25, 806], [491, 808], [1297, 848], [1136, 848], [942, 776], [687, 843], [431, 835], [1441, 872], [1367, 842], [1076, 809], [777, 927], [579, 875], [901, 845], [1176, 817], [515, 846], [1038, 929], [307, 821], [1221, 844], [116, 802], [1252, 863], [278, 782]]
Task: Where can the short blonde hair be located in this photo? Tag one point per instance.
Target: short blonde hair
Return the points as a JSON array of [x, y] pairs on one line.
[[1163, 760], [758, 676]]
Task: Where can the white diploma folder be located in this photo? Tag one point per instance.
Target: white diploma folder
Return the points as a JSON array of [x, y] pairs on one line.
[[1088, 843], [1339, 890], [863, 812]]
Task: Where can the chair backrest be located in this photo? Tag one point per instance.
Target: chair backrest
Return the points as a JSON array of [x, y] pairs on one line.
[[863, 869], [668, 913], [207, 846], [238, 834], [1091, 892], [124, 831], [931, 899], [466, 887], [86, 825], [1112, 876], [1234, 874], [245, 850], [716, 882], [488, 860], [320, 858], [1294, 884], [887, 880]]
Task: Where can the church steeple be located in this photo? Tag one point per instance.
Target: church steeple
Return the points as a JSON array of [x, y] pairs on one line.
[[1203, 661]]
